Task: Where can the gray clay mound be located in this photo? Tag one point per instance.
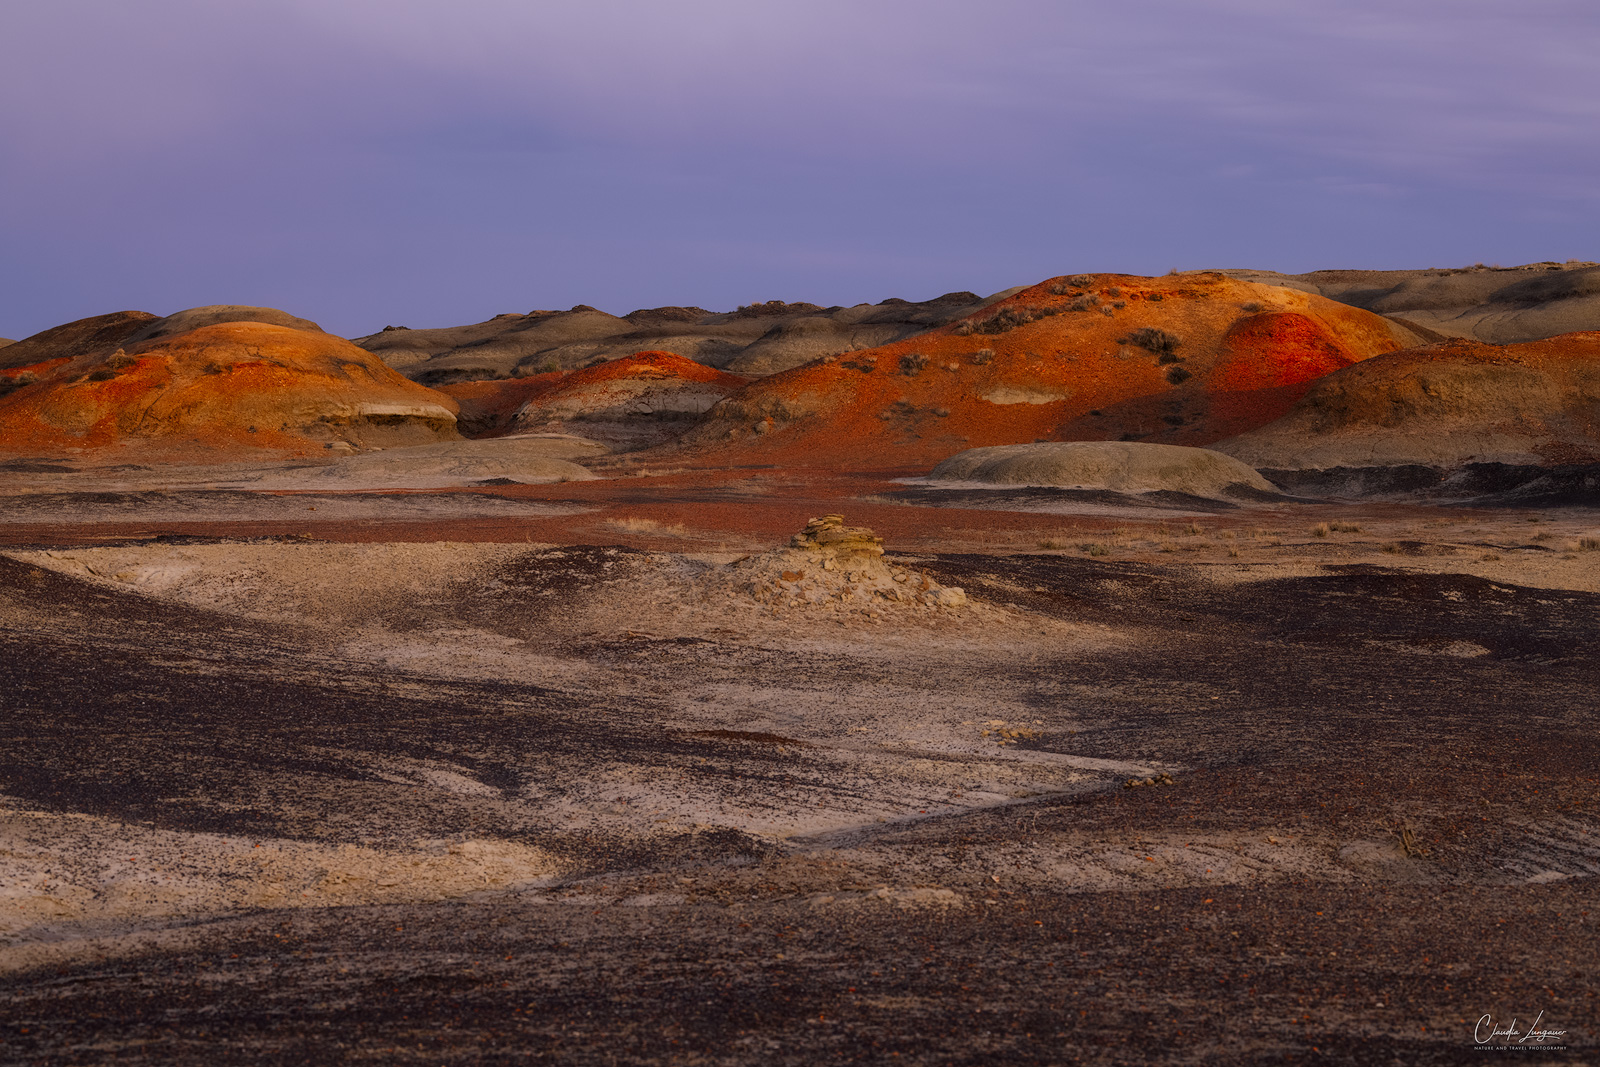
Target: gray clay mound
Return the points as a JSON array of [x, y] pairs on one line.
[[194, 318], [1502, 305], [533, 460], [1118, 466]]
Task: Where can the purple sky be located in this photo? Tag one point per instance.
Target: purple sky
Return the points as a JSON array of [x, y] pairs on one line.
[[434, 162]]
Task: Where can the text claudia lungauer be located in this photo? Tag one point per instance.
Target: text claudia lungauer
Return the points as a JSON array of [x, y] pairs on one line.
[[1486, 1032]]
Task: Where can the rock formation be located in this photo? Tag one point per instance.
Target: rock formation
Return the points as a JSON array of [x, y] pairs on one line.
[[831, 567], [830, 536]]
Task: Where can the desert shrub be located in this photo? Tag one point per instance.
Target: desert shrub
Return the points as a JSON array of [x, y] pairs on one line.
[[1107, 312], [1151, 339], [1157, 297], [982, 356], [25, 378], [1113, 292], [771, 308], [1094, 550], [1085, 302], [1345, 527], [450, 375], [1178, 375], [1589, 544], [1010, 318], [1251, 307], [911, 364], [102, 375], [1319, 530], [634, 525]]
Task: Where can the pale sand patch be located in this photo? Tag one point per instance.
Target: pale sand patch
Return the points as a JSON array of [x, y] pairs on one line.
[[61, 869], [303, 583]]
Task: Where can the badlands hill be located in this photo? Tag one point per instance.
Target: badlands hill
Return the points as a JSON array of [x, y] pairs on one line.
[[71, 340], [221, 387], [644, 399], [753, 340], [1443, 405], [1117, 466], [1499, 304], [1183, 359]]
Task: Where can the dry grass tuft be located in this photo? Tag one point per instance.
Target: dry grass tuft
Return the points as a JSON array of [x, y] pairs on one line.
[[645, 526]]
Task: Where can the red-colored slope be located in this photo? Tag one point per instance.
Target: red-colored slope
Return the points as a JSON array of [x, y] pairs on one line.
[[1184, 359]]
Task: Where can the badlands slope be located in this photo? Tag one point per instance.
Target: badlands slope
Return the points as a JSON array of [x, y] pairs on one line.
[[1444, 405], [1184, 359], [634, 401], [215, 390]]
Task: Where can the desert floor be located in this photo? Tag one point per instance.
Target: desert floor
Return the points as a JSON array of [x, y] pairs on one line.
[[541, 773]]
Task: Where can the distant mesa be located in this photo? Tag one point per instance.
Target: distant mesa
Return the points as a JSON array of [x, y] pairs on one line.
[[235, 385], [1443, 405], [1118, 466], [1184, 359]]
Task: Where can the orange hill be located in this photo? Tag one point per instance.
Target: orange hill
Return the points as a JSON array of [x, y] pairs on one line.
[[235, 385], [1444, 405], [1184, 359]]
